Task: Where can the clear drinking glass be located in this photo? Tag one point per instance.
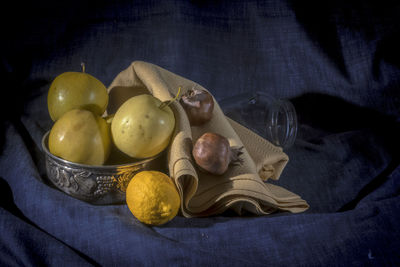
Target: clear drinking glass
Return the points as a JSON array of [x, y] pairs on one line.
[[272, 118]]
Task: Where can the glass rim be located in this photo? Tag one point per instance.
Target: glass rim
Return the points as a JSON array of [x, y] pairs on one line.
[[282, 135]]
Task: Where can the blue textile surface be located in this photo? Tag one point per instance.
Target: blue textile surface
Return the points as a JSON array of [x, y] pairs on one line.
[[337, 61]]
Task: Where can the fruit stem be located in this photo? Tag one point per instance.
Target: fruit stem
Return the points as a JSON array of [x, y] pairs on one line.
[[83, 67], [109, 118], [176, 97], [169, 102]]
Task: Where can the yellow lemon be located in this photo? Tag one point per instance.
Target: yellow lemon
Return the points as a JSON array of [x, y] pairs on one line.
[[152, 197]]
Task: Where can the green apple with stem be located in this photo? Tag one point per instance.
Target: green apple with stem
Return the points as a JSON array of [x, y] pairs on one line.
[[71, 90], [143, 125]]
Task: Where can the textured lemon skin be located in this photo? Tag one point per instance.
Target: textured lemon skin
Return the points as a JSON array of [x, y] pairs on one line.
[[140, 128], [152, 197], [72, 90], [82, 137]]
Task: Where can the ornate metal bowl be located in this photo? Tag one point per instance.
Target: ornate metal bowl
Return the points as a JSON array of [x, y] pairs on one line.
[[100, 185]]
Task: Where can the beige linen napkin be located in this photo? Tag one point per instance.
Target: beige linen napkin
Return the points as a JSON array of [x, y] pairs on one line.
[[241, 187]]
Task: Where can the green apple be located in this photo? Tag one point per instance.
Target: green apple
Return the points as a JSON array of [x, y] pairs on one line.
[[71, 90], [82, 137], [141, 128]]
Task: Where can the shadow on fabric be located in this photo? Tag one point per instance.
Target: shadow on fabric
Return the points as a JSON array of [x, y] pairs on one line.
[[330, 115], [7, 202]]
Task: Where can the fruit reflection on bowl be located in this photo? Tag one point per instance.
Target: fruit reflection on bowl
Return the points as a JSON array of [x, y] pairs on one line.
[[100, 185]]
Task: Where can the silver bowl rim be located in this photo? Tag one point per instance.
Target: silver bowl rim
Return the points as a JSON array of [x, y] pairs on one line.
[[100, 167]]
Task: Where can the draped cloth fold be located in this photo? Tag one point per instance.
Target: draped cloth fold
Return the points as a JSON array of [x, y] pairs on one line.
[[242, 187]]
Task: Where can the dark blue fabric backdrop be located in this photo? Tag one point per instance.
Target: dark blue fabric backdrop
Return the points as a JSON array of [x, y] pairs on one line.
[[337, 61]]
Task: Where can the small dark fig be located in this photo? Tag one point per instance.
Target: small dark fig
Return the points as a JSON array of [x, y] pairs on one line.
[[199, 106], [212, 153]]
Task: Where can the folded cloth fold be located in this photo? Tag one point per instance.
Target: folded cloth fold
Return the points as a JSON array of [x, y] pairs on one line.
[[242, 187]]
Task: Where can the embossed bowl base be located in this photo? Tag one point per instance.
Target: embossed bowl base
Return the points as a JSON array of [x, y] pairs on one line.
[[99, 185]]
